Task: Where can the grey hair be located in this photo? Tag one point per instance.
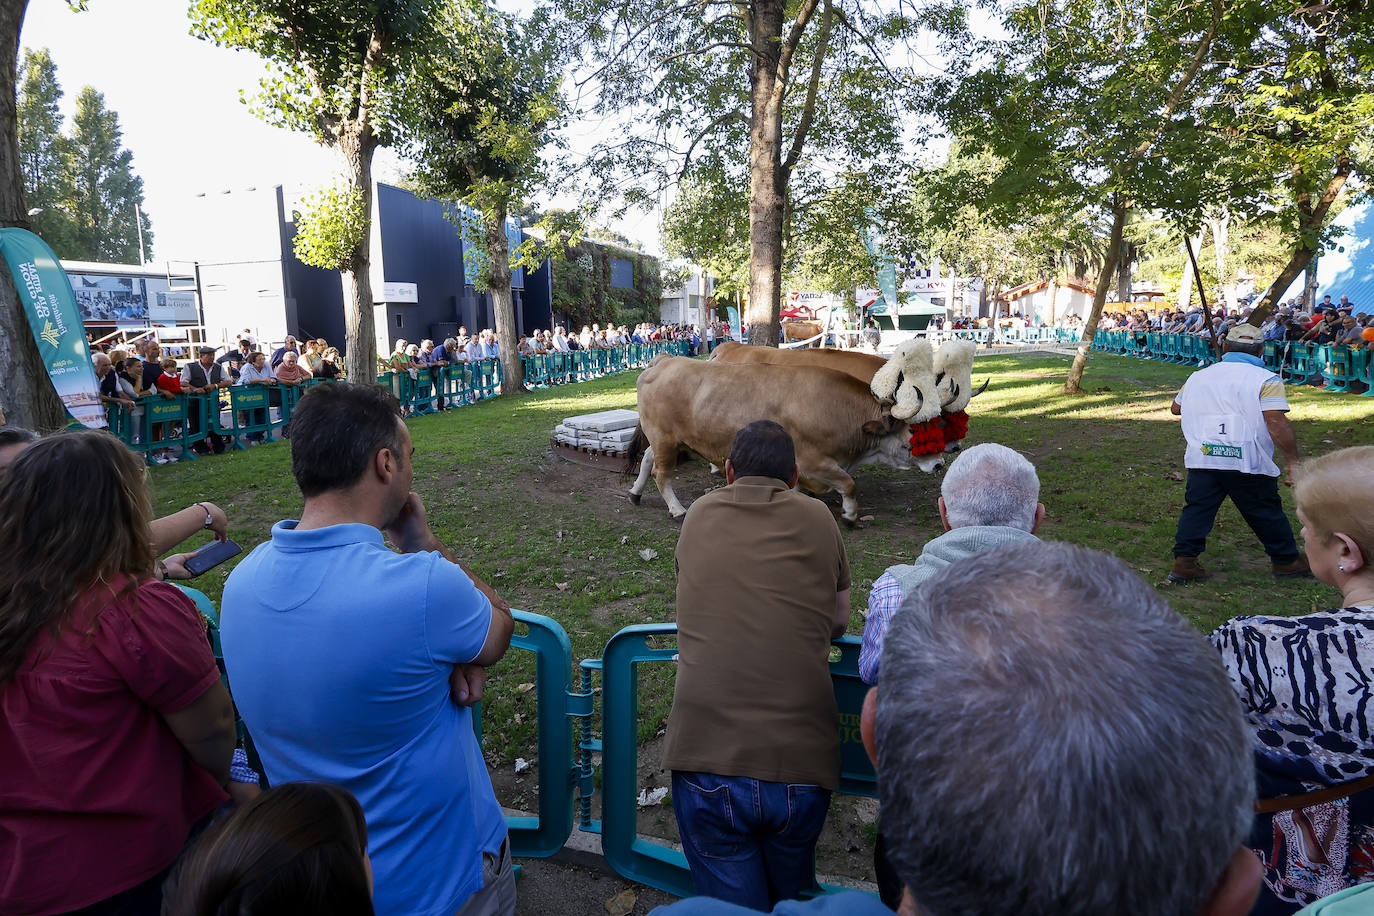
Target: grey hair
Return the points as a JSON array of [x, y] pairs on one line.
[[1054, 740], [990, 484], [16, 435]]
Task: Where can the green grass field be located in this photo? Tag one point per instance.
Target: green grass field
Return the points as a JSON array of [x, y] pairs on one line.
[[563, 540]]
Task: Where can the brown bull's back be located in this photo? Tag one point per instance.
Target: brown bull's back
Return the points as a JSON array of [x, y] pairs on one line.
[[861, 366]]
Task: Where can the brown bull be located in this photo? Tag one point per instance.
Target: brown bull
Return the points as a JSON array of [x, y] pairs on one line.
[[687, 405], [794, 330], [952, 366]]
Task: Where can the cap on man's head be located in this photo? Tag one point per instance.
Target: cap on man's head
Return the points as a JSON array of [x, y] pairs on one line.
[[203, 350], [1245, 334]]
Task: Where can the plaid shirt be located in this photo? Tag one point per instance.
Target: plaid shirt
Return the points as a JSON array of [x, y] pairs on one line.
[[883, 601]]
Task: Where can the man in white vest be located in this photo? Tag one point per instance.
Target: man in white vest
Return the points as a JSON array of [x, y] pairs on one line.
[[1234, 413]]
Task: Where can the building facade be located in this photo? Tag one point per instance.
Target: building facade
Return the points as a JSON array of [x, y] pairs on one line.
[[421, 273]]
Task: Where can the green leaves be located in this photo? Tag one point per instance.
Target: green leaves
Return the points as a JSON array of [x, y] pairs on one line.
[[330, 225]]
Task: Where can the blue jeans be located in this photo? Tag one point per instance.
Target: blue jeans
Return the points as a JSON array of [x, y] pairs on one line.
[[749, 842]]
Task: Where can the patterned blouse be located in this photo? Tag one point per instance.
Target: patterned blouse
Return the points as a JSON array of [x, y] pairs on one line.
[[1306, 684]]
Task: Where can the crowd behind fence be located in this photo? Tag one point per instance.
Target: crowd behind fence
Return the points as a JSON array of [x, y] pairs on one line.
[[242, 413], [1338, 368], [1043, 336]]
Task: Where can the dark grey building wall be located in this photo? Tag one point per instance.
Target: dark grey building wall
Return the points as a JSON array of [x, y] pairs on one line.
[[317, 294], [418, 245]]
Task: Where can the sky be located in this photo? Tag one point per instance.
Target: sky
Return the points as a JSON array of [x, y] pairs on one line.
[[179, 101]]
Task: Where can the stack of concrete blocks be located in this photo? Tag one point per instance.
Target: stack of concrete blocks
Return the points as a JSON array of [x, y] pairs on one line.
[[610, 431]]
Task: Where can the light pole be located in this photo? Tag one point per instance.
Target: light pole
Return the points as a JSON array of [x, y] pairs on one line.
[[138, 222]]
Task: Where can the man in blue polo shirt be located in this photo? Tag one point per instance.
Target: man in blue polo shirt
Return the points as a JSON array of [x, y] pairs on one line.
[[354, 664]]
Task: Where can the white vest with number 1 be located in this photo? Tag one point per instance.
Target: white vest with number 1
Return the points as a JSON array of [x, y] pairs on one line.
[[1222, 420]]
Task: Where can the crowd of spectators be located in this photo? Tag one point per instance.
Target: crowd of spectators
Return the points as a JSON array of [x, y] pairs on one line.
[[1326, 322]]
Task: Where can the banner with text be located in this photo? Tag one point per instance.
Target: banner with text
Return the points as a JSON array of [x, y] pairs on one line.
[[56, 323]]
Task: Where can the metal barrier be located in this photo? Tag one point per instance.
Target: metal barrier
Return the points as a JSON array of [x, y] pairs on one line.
[[643, 860], [1338, 366], [546, 832], [250, 412], [164, 422]]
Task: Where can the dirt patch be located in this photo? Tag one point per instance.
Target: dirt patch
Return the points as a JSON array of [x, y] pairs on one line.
[[548, 887]]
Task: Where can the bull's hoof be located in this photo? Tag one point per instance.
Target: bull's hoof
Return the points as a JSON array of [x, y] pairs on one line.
[[634, 499]]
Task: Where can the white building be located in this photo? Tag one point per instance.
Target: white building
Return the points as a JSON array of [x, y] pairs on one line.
[[1050, 299], [686, 304]]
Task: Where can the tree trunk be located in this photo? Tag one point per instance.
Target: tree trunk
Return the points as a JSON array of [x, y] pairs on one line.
[[1221, 247], [1054, 295], [1073, 384], [502, 303], [1123, 274], [1309, 285], [1185, 290], [360, 360], [1312, 219], [767, 185], [27, 397]]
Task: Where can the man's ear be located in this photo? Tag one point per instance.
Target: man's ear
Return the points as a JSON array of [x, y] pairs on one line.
[[1039, 517], [1238, 887], [796, 475], [944, 513], [384, 464], [729, 472], [868, 723]]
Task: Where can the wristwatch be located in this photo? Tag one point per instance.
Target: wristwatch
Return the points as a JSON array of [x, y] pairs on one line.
[[209, 519]]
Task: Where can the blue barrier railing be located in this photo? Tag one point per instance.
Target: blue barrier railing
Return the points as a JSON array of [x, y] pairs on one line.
[[644, 860], [1338, 367]]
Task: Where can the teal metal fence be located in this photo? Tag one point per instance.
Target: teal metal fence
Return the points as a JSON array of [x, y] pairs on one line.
[[645, 860], [1339, 368]]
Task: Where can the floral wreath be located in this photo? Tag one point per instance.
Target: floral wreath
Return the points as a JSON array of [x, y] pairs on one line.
[[931, 437]]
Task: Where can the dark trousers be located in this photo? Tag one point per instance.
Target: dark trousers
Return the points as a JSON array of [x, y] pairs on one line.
[[1256, 496]]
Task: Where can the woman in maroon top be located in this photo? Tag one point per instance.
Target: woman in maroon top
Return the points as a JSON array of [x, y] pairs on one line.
[[115, 731]]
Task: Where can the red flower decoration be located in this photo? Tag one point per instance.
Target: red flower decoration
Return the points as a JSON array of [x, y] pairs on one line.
[[956, 425], [927, 438]]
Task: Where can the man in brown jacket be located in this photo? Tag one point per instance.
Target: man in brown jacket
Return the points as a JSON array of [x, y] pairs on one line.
[[753, 739]]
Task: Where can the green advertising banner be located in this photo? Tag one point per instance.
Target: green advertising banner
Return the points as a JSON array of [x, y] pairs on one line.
[[56, 324], [887, 268]]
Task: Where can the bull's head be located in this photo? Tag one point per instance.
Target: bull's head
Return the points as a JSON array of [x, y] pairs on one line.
[[893, 449], [908, 379]]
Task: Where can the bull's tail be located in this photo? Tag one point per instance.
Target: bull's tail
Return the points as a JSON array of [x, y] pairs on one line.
[[636, 451]]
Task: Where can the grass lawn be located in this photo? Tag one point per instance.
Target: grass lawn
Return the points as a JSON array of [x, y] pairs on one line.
[[563, 540]]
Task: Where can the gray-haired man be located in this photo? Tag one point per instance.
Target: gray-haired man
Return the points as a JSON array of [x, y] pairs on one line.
[[1051, 739], [989, 500]]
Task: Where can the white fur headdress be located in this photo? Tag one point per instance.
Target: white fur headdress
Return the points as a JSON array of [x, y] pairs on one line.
[[908, 378], [955, 360]]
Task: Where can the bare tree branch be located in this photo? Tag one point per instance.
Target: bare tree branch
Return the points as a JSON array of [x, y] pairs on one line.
[[812, 87], [729, 116]]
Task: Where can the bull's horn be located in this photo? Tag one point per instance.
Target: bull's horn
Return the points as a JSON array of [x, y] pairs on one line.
[[982, 389]]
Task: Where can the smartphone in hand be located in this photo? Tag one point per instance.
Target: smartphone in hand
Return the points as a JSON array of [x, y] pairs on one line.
[[211, 555]]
